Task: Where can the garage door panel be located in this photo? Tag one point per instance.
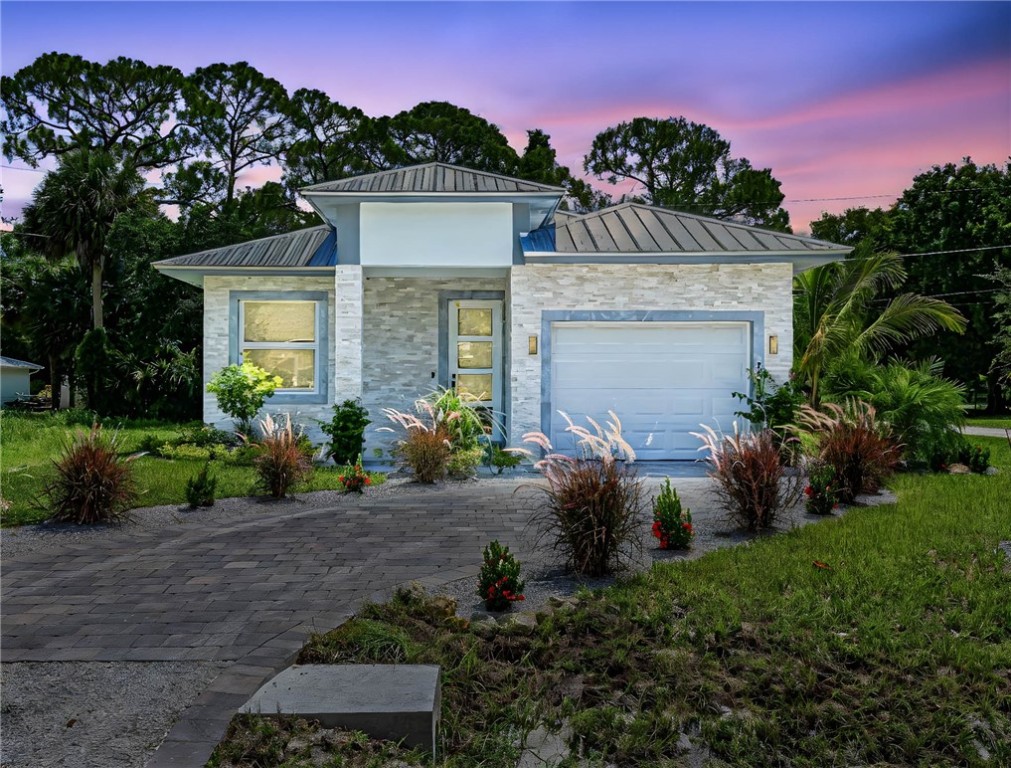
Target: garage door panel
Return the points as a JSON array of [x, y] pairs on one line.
[[662, 379]]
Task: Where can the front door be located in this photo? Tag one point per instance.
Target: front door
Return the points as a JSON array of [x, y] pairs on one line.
[[475, 350]]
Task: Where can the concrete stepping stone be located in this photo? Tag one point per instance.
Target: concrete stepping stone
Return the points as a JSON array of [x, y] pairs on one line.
[[398, 702]]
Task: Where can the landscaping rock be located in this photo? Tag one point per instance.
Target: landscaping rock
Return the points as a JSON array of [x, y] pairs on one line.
[[959, 469], [386, 701], [524, 619], [544, 748]]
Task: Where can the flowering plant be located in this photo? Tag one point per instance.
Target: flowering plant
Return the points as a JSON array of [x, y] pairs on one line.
[[822, 490], [354, 478], [499, 584], [672, 525]]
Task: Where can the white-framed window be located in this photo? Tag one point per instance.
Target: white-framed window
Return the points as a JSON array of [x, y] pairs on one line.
[[283, 336]]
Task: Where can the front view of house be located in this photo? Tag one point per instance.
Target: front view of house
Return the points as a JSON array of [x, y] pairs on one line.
[[441, 276]]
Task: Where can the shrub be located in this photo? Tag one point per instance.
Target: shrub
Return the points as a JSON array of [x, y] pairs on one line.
[[821, 491], [280, 461], [200, 488], [672, 525], [93, 484], [499, 583], [346, 430], [770, 405], [975, 457], [354, 479], [851, 441], [750, 480], [464, 463], [466, 424], [502, 459], [595, 502], [241, 391], [921, 408], [95, 359], [205, 435]]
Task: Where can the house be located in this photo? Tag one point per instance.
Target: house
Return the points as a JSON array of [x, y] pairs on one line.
[[436, 275], [15, 379]]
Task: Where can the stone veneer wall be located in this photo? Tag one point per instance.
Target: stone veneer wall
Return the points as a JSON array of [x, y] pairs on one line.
[[535, 287], [216, 295], [400, 349]]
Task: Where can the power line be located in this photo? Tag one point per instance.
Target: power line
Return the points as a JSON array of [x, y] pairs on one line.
[[19, 168]]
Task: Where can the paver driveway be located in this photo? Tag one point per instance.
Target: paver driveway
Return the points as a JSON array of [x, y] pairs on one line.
[[247, 593]]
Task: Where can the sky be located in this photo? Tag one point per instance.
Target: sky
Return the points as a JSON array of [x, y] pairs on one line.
[[840, 100]]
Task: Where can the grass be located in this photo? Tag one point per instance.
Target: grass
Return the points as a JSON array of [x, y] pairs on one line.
[[30, 442], [897, 653], [1000, 422]]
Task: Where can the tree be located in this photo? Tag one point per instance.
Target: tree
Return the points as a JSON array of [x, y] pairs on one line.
[[75, 206], [834, 313], [325, 140], [60, 103], [1000, 370], [866, 231], [687, 166], [959, 207], [238, 115], [44, 309], [539, 162], [440, 132]]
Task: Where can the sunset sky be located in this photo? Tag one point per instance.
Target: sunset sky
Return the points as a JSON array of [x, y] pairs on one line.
[[840, 100]]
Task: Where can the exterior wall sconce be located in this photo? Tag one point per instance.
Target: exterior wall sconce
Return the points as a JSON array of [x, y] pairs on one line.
[[774, 345], [531, 345]]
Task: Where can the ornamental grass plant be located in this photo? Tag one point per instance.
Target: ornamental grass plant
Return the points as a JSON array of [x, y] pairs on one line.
[[594, 502], [93, 484], [850, 439], [751, 481], [281, 459]]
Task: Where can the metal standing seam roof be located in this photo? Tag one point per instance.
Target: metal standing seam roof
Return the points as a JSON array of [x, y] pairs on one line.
[[302, 248], [437, 178], [13, 362], [636, 228]]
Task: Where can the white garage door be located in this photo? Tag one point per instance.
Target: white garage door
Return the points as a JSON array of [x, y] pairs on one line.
[[662, 379]]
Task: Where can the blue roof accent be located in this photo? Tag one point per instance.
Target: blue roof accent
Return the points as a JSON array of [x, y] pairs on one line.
[[540, 240], [326, 254]]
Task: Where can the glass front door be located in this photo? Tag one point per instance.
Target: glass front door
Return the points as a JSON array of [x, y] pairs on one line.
[[475, 350]]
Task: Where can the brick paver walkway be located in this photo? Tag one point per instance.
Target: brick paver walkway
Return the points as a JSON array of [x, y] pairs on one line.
[[247, 594]]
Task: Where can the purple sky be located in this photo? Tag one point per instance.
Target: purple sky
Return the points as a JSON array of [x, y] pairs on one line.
[[838, 99]]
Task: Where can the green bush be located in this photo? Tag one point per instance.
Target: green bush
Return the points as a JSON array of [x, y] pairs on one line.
[[346, 430], [499, 583], [200, 488], [464, 463], [822, 489], [770, 405], [241, 391], [93, 484], [672, 524], [502, 459], [95, 360], [465, 422]]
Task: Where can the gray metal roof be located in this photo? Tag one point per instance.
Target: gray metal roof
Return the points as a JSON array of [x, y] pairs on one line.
[[634, 228], [439, 178], [293, 249], [13, 362]]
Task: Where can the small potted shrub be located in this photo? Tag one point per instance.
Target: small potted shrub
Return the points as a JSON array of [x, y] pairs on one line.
[[822, 490], [672, 524], [354, 479], [499, 584]]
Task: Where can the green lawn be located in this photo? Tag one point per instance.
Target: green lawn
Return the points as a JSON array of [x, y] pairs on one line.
[[1001, 422], [898, 653], [30, 442]]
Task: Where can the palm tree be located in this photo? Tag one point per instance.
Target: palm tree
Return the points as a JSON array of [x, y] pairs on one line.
[[835, 313], [74, 208]]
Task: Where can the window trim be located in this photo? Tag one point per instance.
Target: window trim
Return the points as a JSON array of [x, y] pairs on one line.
[[319, 395]]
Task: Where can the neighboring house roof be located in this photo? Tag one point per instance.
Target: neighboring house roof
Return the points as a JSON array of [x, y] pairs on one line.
[[634, 228], [433, 178], [12, 362]]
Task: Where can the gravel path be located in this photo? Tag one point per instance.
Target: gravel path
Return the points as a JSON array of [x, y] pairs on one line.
[[65, 713]]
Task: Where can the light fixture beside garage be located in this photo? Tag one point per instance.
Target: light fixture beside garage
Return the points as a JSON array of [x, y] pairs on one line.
[[774, 345], [532, 345]]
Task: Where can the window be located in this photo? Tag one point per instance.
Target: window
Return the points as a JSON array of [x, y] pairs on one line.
[[286, 335]]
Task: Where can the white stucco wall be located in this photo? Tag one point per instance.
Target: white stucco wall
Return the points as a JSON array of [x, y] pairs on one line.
[[14, 382], [400, 350], [764, 288], [216, 343]]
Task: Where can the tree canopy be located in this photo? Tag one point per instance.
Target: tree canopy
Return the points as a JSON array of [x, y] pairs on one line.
[[126, 108], [687, 166]]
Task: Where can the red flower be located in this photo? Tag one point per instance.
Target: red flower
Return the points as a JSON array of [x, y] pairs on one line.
[[520, 597], [368, 481], [809, 490]]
